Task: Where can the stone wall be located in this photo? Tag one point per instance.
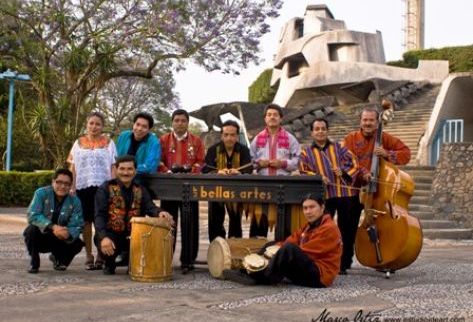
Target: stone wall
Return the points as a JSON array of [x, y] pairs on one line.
[[452, 188]]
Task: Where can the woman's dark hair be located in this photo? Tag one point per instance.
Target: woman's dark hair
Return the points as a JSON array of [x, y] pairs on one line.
[[148, 117], [231, 123], [312, 196], [62, 171], [180, 112], [96, 114]]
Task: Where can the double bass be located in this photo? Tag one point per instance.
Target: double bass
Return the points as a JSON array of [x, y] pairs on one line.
[[389, 238]]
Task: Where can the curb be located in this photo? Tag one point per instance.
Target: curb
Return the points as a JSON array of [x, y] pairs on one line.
[[12, 219]]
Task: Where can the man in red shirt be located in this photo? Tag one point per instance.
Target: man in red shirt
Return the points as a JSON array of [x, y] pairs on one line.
[[182, 152]]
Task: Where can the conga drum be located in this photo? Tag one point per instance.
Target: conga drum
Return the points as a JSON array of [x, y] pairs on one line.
[[150, 249], [229, 253]]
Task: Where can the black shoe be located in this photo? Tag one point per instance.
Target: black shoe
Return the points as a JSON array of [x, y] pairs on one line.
[[238, 277], [58, 266], [342, 272], [33, 270], [187, 268], [35, 261], [108, 270]]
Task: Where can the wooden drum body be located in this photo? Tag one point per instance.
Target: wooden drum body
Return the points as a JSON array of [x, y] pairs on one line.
[[150, 249], [229, 253]]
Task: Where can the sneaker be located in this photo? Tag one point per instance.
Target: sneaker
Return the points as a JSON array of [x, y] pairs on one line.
[[239, 277]]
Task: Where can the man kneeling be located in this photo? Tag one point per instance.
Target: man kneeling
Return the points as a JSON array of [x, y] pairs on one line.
[[116, 202], [55, 223], [309, 257]]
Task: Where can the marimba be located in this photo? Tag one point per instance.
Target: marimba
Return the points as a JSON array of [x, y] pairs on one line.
[[281, 190]]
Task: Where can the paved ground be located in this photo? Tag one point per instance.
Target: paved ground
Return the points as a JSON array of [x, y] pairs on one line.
[[437, 287]]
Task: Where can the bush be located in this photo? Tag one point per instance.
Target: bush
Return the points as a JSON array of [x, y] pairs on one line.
[[17, 188], [260, 91], [460, 58]]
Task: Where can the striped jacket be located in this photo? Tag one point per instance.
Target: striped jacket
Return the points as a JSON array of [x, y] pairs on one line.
[[322, 161]]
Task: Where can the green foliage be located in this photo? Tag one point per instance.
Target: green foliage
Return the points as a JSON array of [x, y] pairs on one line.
[[460, 58], [17, 188], [261, 91]]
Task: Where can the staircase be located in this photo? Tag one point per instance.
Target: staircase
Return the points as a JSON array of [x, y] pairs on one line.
[[409, 124], [419, 207]]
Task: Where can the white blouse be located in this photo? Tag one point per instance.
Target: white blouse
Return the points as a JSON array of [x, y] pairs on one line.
[[93, 166]]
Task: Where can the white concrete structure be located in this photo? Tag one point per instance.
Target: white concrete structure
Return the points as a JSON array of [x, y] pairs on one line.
[[318, 52], [454, 102], [414, 26]]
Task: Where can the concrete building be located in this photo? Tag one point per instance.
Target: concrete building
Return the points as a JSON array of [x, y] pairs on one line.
[[317, 55]]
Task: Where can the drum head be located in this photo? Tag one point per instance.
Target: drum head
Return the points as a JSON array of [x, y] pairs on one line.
[[219, 257], [152, 221], [271, 251], [254, 263]]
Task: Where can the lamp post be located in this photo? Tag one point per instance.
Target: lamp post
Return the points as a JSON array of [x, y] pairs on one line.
[[11, 76]]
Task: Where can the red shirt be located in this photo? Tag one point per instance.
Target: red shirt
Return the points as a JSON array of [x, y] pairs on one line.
[[186, 152], [362, 147]]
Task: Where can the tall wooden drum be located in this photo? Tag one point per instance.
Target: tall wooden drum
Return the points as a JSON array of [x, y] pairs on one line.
[[229, 253], [151, 249]]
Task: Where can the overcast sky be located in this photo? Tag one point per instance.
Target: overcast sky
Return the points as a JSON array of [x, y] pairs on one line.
[[447, 23]]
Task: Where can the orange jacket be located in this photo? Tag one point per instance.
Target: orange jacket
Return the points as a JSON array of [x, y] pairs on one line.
[[324, 247], [362, 147]]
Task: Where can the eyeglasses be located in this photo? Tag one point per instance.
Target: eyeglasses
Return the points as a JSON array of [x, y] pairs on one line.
[[62, 183]]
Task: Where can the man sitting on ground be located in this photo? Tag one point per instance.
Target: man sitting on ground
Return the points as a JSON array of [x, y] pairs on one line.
[[55, 223], [309, 257]]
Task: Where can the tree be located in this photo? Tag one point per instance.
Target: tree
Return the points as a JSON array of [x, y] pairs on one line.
[[260, 91], [121, 98], [73, 48]]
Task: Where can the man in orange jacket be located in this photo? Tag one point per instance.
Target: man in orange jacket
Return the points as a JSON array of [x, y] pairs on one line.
[[309, 257]]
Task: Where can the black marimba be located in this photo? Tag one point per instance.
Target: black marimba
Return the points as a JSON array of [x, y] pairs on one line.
[[281, 190]]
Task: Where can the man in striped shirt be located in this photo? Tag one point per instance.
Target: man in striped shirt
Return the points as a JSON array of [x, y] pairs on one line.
[[338, 168]]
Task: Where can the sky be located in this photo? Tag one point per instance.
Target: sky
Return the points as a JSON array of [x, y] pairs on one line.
[[447, 23]]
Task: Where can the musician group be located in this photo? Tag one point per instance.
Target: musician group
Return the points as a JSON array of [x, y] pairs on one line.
[[103, 189]]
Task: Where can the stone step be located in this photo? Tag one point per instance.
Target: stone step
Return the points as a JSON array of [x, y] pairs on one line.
[[419, 173], [417, 168], [423, 186], [453, 233], [422, 193], [420, 200], [421, 215], [420, 208], [423, 179], [437, 224]]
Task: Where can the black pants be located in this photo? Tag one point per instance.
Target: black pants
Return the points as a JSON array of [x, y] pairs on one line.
[[290, 262], [122, 247], [38, 242], [261, 228], [217, 217], [348, 215], [190, 243]]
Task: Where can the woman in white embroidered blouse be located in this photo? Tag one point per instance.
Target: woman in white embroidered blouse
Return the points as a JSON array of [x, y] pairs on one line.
[[92, 157]]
